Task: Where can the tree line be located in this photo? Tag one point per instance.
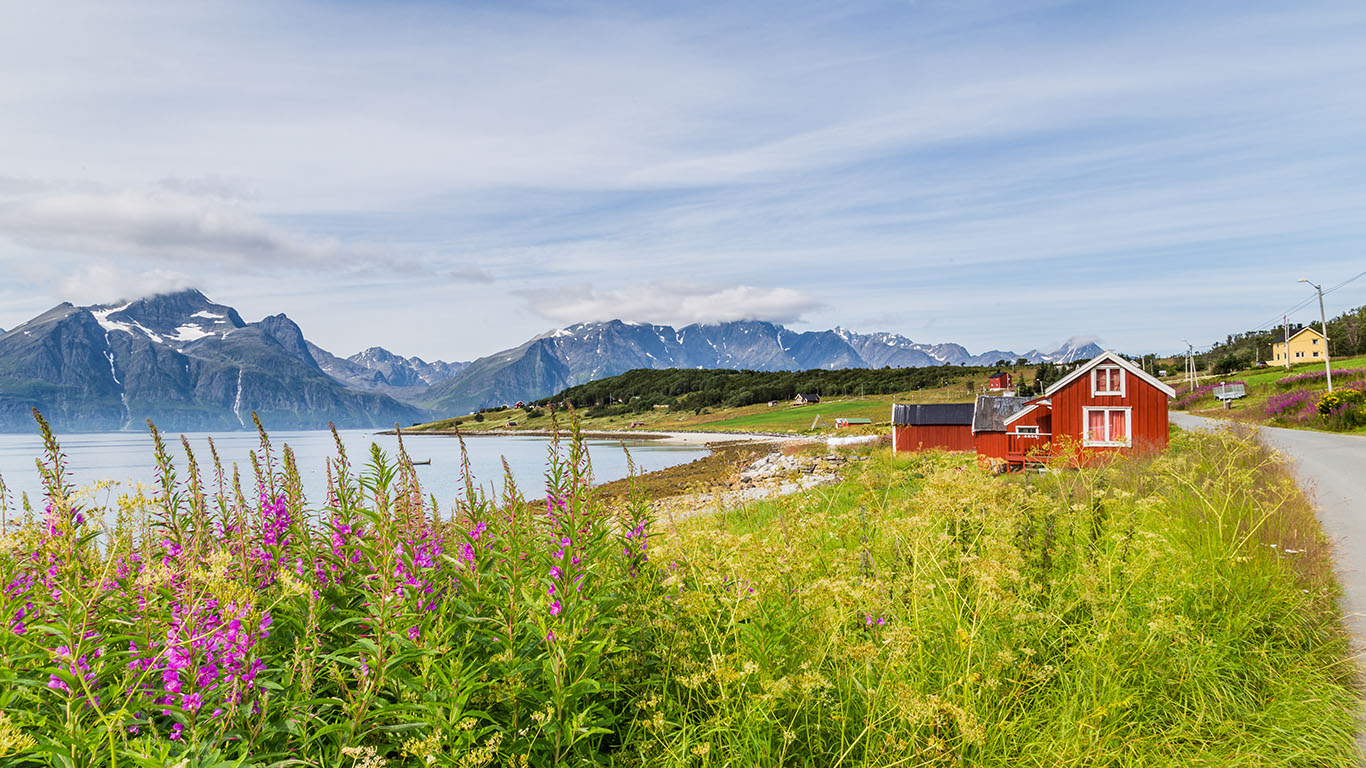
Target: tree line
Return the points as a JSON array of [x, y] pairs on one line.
[[642, 389]]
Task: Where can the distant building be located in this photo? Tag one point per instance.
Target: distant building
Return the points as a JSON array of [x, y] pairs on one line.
[[1001, 381], [806, 399], [842, 423], [1306, 345]]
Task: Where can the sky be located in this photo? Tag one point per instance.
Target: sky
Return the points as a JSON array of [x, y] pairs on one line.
[[449, 179]]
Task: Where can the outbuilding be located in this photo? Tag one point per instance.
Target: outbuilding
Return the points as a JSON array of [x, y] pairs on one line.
[[921, 427]]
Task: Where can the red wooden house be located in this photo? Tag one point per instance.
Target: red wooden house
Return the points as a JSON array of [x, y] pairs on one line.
[[1001, 381], [1108, 405]]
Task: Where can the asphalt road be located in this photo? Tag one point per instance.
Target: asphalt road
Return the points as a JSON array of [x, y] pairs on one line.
[[1332, 469]]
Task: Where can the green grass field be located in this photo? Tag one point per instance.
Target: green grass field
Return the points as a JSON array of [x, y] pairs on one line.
[[788, 418]]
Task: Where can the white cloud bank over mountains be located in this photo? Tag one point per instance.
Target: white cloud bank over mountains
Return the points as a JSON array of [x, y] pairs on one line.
[[671, 304]]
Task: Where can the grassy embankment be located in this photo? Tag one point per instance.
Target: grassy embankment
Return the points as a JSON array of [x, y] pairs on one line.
[[1264, 384], [1169, 611]]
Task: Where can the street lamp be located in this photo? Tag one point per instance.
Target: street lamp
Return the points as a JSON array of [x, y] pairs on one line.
[[1323, 323], [1190, 364]]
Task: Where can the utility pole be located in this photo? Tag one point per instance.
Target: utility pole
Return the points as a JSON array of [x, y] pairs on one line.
[[1285, 327], [1323, 323]]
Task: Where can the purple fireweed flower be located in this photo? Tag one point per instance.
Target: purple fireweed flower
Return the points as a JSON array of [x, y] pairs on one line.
[[555, 608]]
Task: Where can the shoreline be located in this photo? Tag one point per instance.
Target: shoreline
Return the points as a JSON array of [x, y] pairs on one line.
[[669, 438]]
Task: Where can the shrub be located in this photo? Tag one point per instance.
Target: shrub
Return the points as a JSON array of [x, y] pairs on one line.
[[1298, 405], [479, 416], [1339, 376], [1339, 399]]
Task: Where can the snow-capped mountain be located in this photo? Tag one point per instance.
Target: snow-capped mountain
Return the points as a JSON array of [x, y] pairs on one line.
[[179, 359], [587, 351]]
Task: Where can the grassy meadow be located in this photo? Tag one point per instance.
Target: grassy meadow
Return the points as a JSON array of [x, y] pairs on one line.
[[1176, 610]]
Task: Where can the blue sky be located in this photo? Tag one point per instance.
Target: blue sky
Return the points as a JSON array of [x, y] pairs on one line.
[[448, 179]]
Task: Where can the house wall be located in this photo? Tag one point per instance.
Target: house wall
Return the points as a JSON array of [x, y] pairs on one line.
[[990, 444], [1147, 414], [1302, 348], [955, 437]]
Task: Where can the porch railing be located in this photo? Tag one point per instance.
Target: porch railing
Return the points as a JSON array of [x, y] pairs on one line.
[[1029, 447]]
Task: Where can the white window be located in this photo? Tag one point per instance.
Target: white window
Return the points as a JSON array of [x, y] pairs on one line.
[[1026, 430], [1315, 341], [1316, 353], [1107, 380], [1106, 426]]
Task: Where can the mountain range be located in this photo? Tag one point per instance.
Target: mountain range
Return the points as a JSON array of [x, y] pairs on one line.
[[580, 353], [191, 364]]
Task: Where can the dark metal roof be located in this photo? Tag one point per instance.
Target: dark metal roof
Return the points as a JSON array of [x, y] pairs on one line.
[[991, 412], [934, 414]]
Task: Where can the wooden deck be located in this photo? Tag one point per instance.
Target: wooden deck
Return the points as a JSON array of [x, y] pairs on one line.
[[1024, 449]]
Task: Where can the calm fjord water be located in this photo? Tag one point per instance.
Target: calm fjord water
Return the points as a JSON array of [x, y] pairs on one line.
[[123, 456]]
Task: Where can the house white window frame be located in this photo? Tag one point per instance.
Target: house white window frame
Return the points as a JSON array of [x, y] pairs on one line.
[[1086, 427], [1027, 430], [1123, 381]]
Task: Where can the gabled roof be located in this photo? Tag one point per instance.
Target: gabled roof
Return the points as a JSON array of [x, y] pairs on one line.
[[990, 413], [933, 414], [1309, 328], [1108, 357], [1038, 402]]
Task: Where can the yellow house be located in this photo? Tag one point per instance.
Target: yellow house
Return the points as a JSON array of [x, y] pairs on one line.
[[1306, 346]]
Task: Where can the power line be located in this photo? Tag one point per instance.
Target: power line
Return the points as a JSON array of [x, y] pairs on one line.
[[1275, 321]]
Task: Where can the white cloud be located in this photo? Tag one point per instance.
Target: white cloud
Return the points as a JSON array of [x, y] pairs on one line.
[[671, 304], [158, 225], [104, 282]]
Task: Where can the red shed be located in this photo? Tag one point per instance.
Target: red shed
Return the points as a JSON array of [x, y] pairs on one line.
[[935, 425], [1001, 381]]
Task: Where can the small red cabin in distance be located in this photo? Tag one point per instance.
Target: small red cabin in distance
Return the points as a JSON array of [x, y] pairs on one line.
[[1001, 381]]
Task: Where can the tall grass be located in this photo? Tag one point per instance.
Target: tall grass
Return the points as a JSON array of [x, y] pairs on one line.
[[1174, 610]]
